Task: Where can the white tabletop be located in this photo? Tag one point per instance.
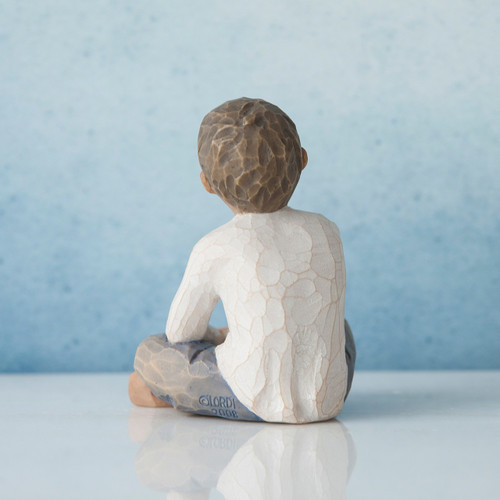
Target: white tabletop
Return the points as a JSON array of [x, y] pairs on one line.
[[402, 435]]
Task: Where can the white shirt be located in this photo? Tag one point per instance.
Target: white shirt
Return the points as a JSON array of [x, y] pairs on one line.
[[281, 279]]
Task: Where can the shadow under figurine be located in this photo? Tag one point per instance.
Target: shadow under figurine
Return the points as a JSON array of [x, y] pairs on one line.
[[287, 355]]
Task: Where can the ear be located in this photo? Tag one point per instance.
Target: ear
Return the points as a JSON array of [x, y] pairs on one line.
[[304, 158], [205, 183]]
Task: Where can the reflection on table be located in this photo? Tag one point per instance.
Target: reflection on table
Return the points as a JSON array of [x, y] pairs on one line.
[[189, 456]]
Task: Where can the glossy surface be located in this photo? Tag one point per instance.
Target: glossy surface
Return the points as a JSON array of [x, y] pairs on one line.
[[409, 435]]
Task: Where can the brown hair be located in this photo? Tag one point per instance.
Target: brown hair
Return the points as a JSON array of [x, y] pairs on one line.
[[250, 153]]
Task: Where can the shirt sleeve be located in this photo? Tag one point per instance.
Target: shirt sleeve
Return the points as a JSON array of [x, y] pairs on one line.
[[194, 301]]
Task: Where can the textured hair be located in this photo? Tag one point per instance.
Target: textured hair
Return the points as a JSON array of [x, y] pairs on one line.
[[250, 153]]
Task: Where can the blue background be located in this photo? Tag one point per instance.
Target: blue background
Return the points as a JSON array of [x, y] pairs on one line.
[[397, 103]]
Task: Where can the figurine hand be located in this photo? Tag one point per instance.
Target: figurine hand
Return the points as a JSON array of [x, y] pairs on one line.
[[215, 335]]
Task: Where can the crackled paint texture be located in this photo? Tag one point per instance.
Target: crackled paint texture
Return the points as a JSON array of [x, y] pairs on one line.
[[281, 279]]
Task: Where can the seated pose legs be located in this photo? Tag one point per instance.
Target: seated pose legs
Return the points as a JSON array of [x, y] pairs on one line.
[[185, 376]]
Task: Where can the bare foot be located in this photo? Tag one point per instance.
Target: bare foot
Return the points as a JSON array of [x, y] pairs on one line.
[[140, 394]]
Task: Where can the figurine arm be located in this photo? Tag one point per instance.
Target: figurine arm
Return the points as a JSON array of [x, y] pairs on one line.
[[194, 302]]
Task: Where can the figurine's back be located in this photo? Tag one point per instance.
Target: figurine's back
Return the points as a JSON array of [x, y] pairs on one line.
[[281, 278]]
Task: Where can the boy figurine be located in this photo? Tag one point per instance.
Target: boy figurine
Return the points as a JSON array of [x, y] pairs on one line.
[[287, 354]]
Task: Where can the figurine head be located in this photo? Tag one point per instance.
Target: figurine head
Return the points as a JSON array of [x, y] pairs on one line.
[[250, 155]]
